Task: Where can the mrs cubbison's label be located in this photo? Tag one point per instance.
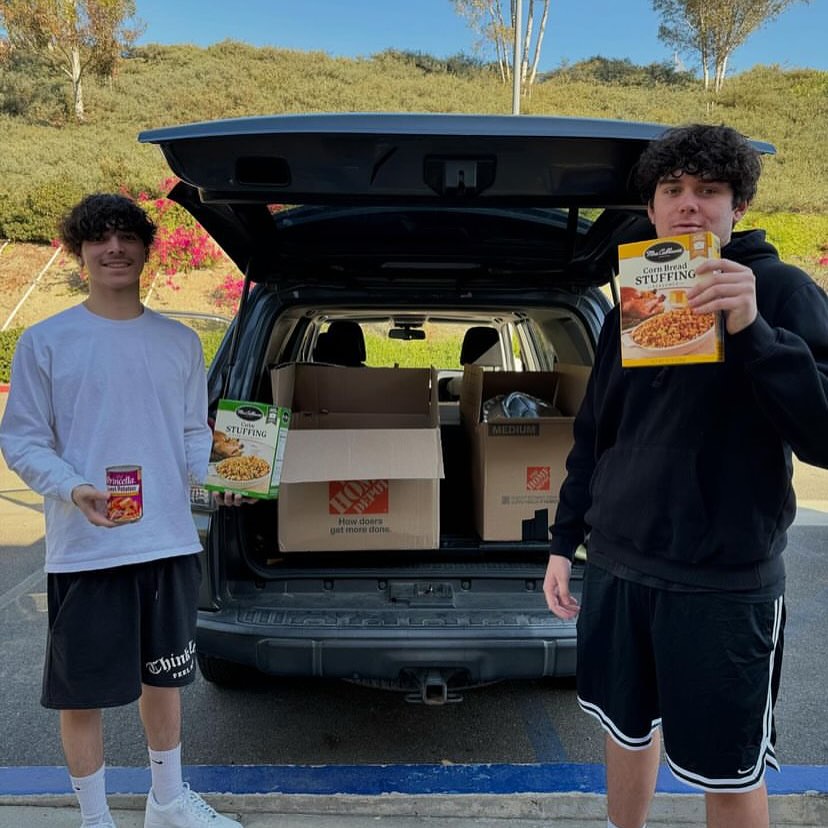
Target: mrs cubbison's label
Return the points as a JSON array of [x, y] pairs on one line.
[[657, 325]]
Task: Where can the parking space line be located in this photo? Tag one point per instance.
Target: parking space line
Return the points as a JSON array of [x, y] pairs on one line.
[[543, 736], [25, 587]]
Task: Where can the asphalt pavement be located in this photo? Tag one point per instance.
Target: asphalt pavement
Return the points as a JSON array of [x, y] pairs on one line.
[[483, 796]]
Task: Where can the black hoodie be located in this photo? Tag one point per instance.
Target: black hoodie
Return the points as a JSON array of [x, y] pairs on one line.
[[682, 475]]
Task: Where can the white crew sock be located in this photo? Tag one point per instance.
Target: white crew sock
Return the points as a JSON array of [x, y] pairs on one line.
[[611, 824], [91, 793], [167, 781]]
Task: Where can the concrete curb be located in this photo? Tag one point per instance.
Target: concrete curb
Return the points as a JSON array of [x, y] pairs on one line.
[[580, 808]]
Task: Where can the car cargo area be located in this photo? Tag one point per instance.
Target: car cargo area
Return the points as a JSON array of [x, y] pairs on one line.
[[406, 468]]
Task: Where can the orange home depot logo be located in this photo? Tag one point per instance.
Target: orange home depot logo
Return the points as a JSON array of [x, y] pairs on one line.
[[538, 479], [358, 497]]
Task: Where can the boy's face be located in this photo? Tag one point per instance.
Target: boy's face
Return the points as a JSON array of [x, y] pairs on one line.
[[114, 261], [687, 204]]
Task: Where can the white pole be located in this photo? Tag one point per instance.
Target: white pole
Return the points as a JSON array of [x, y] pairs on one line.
[[32, 286], [151, 288], [516, 60]]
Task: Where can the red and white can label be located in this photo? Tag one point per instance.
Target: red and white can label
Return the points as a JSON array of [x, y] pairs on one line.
[[126, 499]]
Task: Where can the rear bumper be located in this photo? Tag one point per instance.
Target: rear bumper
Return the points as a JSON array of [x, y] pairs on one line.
[[475, 655]]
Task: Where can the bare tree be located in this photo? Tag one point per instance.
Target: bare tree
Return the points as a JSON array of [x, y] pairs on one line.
[[528, 74], [714, 29], [487, 19], [74, 36]]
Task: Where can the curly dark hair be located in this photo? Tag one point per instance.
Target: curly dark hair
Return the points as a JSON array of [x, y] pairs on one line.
[[99, 213], [716, 153]]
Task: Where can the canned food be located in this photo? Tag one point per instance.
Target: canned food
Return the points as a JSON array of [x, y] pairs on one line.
[[126, 501]]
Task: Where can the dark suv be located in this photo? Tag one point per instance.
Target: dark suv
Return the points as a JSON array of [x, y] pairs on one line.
[[401, 240]]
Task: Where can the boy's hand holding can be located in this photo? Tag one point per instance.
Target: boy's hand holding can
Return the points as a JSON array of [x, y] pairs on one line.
[[93, 503]]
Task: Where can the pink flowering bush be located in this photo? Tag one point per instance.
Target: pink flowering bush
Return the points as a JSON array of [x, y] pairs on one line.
[[228, 293], [181, 244]]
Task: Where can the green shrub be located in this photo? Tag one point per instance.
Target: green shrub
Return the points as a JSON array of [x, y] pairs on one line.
[[793, 234], [459, 64], [30, 91], [624, 72], [210, 341], [8, 342], [36, 214], [440, 352]]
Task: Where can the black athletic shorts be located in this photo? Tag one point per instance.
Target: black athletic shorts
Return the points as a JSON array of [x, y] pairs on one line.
[[112, 630], [704, 666]]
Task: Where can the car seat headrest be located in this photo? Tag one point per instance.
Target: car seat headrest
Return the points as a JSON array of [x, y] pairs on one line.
[[476, 343], [342, 344]]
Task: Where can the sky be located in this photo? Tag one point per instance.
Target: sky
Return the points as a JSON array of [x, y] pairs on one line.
[[576, 29]]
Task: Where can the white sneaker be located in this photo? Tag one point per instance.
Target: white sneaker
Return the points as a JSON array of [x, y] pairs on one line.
[[106, 822], [188, 810]]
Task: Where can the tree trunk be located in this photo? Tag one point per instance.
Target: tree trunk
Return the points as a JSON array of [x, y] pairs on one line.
[[77, 85], [505, 71], [539, 42], [498, 35], [527, 39], [721, 69]]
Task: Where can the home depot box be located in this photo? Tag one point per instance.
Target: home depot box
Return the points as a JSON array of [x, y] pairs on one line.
[[657, 325], [363, 460], [518, 464]]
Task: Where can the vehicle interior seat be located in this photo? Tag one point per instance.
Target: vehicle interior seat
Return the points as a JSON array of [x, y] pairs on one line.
[[343, 343], [481, 346], [477, 343]]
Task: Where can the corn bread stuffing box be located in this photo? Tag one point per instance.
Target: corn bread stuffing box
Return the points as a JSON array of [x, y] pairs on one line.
[[248, 448], [363, 462], [657, 325]]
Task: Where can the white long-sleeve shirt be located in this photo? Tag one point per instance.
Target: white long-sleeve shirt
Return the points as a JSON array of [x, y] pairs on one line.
[[89, 392]]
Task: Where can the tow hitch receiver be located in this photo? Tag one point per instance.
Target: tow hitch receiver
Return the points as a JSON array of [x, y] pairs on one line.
[[432, 687]]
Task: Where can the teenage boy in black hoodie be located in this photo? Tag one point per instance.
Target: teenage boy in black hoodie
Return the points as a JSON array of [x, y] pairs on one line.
[[681, 477]]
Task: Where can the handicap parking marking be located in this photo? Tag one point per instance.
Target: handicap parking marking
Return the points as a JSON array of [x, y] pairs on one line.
[[375, 780]]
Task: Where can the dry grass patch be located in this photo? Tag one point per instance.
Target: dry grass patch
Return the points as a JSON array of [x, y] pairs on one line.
[[63, 285]]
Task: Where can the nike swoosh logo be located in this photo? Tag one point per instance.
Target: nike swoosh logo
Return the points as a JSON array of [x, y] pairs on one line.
[[743, 772], [161, 762]]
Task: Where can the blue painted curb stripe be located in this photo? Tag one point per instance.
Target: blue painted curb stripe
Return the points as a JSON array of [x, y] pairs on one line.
[[372, 780]]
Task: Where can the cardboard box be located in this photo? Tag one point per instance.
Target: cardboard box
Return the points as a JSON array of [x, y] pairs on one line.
[[363, 458], [248, 448], [657, 326], [518, 464]]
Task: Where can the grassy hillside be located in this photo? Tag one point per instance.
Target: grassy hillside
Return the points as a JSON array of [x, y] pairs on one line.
[[49, 162]]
